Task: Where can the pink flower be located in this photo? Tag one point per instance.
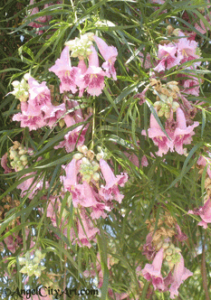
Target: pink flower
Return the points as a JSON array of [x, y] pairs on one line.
[[204, 212], [27, 120], [180, 235], [53, 114], [144, 161], [66, 73], [29, 187], [187, 50], [77, 135], [148, 249], [12, 242], [109, 53], [152, 272], [167, 56], [4, 164], [202, 161], [86, 230], [191, 86], [39, 98], [146, 63], [110, 191], [93, 79], [158, 136], [180, 274], [183, 134]]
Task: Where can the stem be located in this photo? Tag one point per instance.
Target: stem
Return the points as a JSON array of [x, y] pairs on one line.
[[204, 272], [93, 126], [65, 273]]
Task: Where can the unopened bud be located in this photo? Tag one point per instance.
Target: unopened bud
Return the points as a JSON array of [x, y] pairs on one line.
[[99, 156], [168, 251], [90, 154], [84, 149], [77, 156], [165, 245], [61, 123], [168, 258], [169, 29], [96, 176]]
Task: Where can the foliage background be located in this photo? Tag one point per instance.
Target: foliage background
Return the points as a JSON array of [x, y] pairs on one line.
[[131, 26]]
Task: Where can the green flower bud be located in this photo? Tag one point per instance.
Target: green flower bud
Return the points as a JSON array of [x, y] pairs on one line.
[[175, 106], [77, 156], [96, 176], [23, 158], [168, 258], [160, 113], [165, 245], [168, 251], [22, 152]]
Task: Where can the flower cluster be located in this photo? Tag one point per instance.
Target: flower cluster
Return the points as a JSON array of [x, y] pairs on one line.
[[82, 78], [160, 248], [32, 266]]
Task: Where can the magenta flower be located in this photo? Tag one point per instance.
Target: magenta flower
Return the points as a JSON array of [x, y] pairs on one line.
[[93, 79], [110, 191], [204, 212], [66, 73], [152, 272], [144, 161], [158, 136], [191, 86], [180, 274], [180, 235], [167, 56], [109, 53], [183, 134]]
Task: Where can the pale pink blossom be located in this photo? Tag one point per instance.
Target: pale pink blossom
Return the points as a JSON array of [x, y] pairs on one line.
[[152, 272], [86, 230], [183, 133], [148, 249], [167, 57], [204, 212], [180, 274], [144, 161], [4, 161], [187, 50], [93, 79], [111, 191], [53, 114], [66, 73], [27, 120], [109, 53], [159, 137], [180, 235], [205, 161]]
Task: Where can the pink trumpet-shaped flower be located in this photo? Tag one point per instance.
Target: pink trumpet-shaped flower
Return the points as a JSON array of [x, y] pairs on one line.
[[109, 53], [66, 73], [167, 56], [180, 274], [110, 191], [158, 136], [93, 79], [53, 114], [152, 272], [204, 212], [39, 97], [86, 230], [183, 134]]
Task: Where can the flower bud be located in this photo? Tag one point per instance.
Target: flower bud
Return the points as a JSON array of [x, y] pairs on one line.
[[99, 156], [90, 154], [96, 176], [23, 158], [168, 258], [22, 151], [168, 251], [84, 149], [77, 156], [165, 245], [85, 161], [175, 106], [160, 113]]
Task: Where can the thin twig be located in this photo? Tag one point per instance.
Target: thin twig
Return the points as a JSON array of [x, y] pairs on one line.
[[204, 272]]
